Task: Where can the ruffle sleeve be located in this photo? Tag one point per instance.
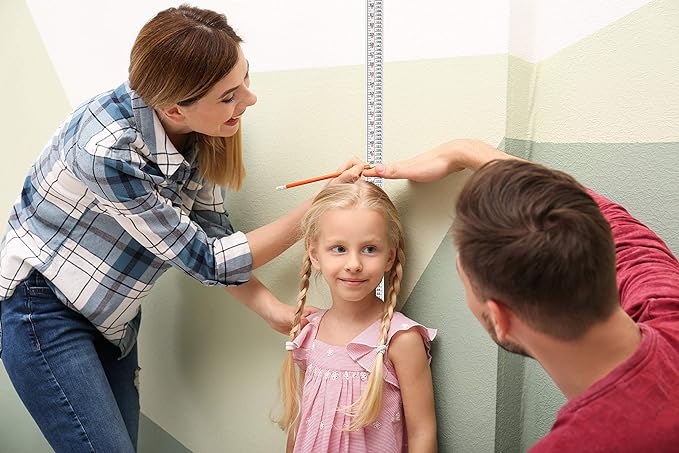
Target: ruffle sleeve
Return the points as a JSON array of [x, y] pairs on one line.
[[304, 339], [362, 348]]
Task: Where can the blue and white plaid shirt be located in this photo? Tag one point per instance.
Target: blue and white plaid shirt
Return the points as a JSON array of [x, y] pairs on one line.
[[108, 207]]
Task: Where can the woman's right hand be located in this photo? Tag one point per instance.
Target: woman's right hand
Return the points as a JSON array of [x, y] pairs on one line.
[[351, 171]]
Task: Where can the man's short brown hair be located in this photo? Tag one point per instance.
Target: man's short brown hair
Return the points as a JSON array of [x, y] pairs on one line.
[[532, 238]]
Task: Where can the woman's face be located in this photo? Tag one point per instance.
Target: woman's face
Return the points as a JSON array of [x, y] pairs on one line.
[[218, 113]]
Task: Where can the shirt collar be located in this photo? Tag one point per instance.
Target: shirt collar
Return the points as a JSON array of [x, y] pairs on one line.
[[160, 149]]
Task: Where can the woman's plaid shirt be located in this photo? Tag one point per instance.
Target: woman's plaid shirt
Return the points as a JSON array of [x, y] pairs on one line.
[[109, 206]]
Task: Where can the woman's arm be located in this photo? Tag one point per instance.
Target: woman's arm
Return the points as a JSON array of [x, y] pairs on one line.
[[259, 299], [269, 241], [127, 193], [409, 357], [208, 211], [131, 196]]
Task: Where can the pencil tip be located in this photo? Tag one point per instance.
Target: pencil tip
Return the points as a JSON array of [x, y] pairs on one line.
[[280, 188]]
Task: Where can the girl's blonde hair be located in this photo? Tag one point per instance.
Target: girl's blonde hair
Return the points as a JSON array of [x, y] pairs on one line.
[[345, 196], [177, 58]]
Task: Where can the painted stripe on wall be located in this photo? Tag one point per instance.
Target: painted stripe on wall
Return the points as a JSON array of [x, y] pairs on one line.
[[154, 439]]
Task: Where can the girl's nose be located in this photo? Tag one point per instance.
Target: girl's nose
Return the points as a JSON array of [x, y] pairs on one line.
[[353, 263]]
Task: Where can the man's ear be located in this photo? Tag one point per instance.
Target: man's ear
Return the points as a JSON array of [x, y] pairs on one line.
[[174, 113], [312, 251], [501, 316]]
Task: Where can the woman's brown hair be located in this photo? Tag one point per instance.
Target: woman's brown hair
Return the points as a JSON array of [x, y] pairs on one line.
[[177, 58]]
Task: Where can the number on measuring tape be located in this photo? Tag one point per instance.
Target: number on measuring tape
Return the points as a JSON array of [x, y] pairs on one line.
[[374, 64]]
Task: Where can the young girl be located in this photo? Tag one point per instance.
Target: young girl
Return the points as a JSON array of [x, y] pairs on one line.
[[365, 383]]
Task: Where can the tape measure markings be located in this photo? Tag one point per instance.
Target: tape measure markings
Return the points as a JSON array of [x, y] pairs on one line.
[[374, 69]]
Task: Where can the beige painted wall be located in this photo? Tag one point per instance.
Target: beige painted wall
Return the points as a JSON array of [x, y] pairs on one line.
[[33, 106], [216, 363]]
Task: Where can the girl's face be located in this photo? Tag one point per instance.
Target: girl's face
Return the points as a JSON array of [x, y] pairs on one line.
[[218, 113], [352, 252]]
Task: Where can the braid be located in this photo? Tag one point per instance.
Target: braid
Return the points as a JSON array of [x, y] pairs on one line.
[[289, 380], [369, 406], [395, 277], [301, 297]]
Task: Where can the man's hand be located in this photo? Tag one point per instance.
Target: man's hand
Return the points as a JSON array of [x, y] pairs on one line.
[[439, 162]]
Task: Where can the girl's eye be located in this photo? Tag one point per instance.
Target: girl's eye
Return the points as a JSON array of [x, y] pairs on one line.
[[226, 101], [370, 249], [338, 249]]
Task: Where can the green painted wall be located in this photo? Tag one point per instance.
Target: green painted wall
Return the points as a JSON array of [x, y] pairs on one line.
[[33, 105], [603, 109]]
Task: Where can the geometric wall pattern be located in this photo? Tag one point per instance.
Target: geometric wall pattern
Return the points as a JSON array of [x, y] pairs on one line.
[[587, 88]]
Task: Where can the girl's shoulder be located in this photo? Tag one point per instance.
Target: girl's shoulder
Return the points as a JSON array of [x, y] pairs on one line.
[[364, 347], [308, 332], [401, 323], [306, 336]]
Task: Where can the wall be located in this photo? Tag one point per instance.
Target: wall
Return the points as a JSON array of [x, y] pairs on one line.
[[33, 107], [603, 109], [589, 89]]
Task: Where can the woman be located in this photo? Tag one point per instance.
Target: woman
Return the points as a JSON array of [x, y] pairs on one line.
[[129, 186]]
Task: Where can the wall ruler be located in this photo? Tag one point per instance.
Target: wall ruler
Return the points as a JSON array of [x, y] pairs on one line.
[[374, 66]]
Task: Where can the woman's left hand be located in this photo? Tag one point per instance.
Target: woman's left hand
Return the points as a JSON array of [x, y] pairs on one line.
[[280, 316]]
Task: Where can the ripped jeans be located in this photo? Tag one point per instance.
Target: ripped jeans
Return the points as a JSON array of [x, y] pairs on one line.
[[69, 377]]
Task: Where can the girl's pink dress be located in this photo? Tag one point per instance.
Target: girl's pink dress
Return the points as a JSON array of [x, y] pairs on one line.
[[335, 377]]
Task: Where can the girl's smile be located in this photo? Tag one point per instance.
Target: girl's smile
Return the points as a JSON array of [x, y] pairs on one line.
[[352, 252], [352, 281]]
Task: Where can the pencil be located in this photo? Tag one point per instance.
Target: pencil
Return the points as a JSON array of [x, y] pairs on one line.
[[317, 178]]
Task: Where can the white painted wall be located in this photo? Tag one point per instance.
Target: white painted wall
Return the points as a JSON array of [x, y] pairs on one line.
[[541, 28], [89, 42]]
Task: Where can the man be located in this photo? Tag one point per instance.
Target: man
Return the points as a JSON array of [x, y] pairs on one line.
[[559, 273]]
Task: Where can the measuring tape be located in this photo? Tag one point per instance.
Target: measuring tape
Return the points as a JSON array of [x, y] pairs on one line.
[[375, 54]]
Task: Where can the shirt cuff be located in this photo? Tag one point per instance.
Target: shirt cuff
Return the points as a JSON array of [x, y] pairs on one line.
[[233, 259]]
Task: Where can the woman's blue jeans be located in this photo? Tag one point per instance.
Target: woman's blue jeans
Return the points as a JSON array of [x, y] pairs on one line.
[[69, 377]]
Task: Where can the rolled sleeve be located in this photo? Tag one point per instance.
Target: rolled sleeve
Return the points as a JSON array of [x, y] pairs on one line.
[[131, 196], [233, 258]]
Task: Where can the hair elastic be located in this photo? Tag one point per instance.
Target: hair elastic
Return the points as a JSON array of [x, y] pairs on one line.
[[290, 346], [381, 349]]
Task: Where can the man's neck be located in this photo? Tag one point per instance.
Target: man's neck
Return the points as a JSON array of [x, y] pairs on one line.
[[576, 365]]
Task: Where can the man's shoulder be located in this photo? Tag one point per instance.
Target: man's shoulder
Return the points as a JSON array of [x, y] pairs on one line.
[[613, 436], [635, 408]]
